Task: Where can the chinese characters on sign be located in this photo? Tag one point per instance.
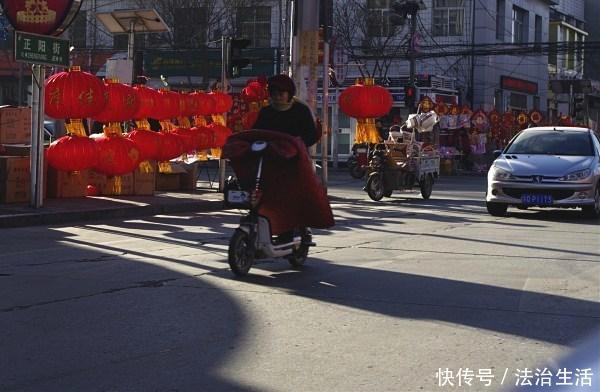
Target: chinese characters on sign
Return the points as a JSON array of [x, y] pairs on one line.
[[467, 377], [40, 49]]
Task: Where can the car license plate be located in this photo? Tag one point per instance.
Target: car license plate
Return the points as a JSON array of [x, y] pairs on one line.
[[535, 199], [238, 197]]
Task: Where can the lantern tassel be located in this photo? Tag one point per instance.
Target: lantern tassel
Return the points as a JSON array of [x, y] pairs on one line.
[[167, 125], [164, 167], [143, 124], [75, 127], [366, 131], [116, 185], [215, 152], [184, 122], [199, 121], [219, 119], [112, 129], [146, 167]]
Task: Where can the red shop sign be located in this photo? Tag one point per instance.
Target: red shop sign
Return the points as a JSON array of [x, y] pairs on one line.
[[523, 86], [46, 17]]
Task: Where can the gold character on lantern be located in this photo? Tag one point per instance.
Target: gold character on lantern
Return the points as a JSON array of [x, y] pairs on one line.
[[36, 11]]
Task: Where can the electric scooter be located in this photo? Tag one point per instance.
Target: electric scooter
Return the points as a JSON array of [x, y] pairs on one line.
[[252, 240]]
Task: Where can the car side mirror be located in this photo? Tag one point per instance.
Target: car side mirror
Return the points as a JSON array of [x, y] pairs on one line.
[[497, 153]]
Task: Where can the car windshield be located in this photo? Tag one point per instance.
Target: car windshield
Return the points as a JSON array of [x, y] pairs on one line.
[[552, 142]]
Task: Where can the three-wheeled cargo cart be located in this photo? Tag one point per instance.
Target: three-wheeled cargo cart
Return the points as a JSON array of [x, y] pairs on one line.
[[403, 162]]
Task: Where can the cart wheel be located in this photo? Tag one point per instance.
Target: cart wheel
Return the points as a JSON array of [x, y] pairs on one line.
[[374, 187], [388, 194], [240, 255], [357, 171], [426, 186]]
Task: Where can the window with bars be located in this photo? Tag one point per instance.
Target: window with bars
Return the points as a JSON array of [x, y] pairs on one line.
[[190, 27], [78, 30], [520, 25], [254, 23], [448, 18], [378, 18]]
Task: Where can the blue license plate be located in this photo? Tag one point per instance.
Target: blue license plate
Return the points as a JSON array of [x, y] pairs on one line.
[[535, 199]]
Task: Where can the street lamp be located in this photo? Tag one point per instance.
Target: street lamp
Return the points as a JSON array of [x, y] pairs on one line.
[[131, 22]]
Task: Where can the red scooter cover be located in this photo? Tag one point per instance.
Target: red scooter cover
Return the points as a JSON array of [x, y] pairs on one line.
[[292, 195]]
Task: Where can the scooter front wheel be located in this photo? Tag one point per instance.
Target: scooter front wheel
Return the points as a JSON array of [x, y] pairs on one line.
[[240, 254], [374, 187]]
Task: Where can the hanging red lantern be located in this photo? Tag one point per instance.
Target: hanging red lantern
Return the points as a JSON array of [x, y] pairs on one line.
[[147, 98], [72, 153], [522, 119], [454, 110], [365, 102], [191, 104], [508, 120], [167, 106], [223, 102], [171, 146], [147, 142], [480, 120], [536, 116], [249, 119], [206, 103], [73, 94], [221, 133], [117, 155], [188, 138], [121, 103], [441, 108], [205, 138], [254, 92], [495, 117]]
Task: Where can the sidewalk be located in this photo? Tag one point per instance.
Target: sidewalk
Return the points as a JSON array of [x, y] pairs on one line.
[[60, 211]]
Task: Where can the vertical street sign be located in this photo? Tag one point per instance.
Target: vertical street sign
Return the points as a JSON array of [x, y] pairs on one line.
[[41, 49]]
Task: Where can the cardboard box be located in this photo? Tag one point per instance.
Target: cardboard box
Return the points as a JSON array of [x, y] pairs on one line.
[[15, 125], [168, 182], [118, 185], [63, 184], [15, 179], [19, 150], [189, 178], [97, 179], [144, 179]]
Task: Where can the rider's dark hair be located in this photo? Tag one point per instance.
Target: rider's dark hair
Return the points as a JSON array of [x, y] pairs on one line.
[[282, 83]]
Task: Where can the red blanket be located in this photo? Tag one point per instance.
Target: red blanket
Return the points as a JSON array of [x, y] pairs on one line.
[[292, 195]]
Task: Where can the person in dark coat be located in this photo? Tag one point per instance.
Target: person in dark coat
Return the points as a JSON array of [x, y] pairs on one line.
[[287, 113]]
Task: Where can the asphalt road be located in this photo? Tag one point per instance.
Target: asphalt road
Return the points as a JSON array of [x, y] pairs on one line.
[[397, 291]]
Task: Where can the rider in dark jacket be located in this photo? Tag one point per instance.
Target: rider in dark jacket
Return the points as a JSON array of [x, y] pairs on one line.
[[286, 113]]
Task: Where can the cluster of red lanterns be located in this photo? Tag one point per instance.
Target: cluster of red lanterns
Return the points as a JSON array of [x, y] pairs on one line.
[[75, 95], [251, 99], [365, 101]]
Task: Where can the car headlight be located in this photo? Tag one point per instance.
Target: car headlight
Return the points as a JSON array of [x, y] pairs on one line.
[[501, 174], [576, 175]]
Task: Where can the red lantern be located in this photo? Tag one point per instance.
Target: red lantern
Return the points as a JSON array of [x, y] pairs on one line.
[[171, 146], [223, 102], [221, 133], [206, 103], [254, 92], [73, 94], [188, 138], [495, 117], [205, 138], [72, 153], [508, 120], [454, 110], [122, 102], [147, 98], [365, 101], [522, 118], [92, 190], [191, 104], [167, 105], [117, 155], [536, 116], [147, 142], [249, 119]]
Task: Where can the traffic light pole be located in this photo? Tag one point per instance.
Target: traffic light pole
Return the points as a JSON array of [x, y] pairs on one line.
[[411, 53], [225, 42]]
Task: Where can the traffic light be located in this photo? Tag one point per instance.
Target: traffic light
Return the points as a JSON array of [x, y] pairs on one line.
[[578, 108], [410, 96], [237, 61]]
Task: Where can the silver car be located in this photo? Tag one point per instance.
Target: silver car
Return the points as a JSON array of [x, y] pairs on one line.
[[547, 167]]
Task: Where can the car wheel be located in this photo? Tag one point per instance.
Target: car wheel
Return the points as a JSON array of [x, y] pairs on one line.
[[593, 211], [496, 209]]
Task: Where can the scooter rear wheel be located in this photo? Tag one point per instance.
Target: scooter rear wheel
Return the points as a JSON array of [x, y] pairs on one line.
[[239, 254], [374, 187], [298, 256]]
